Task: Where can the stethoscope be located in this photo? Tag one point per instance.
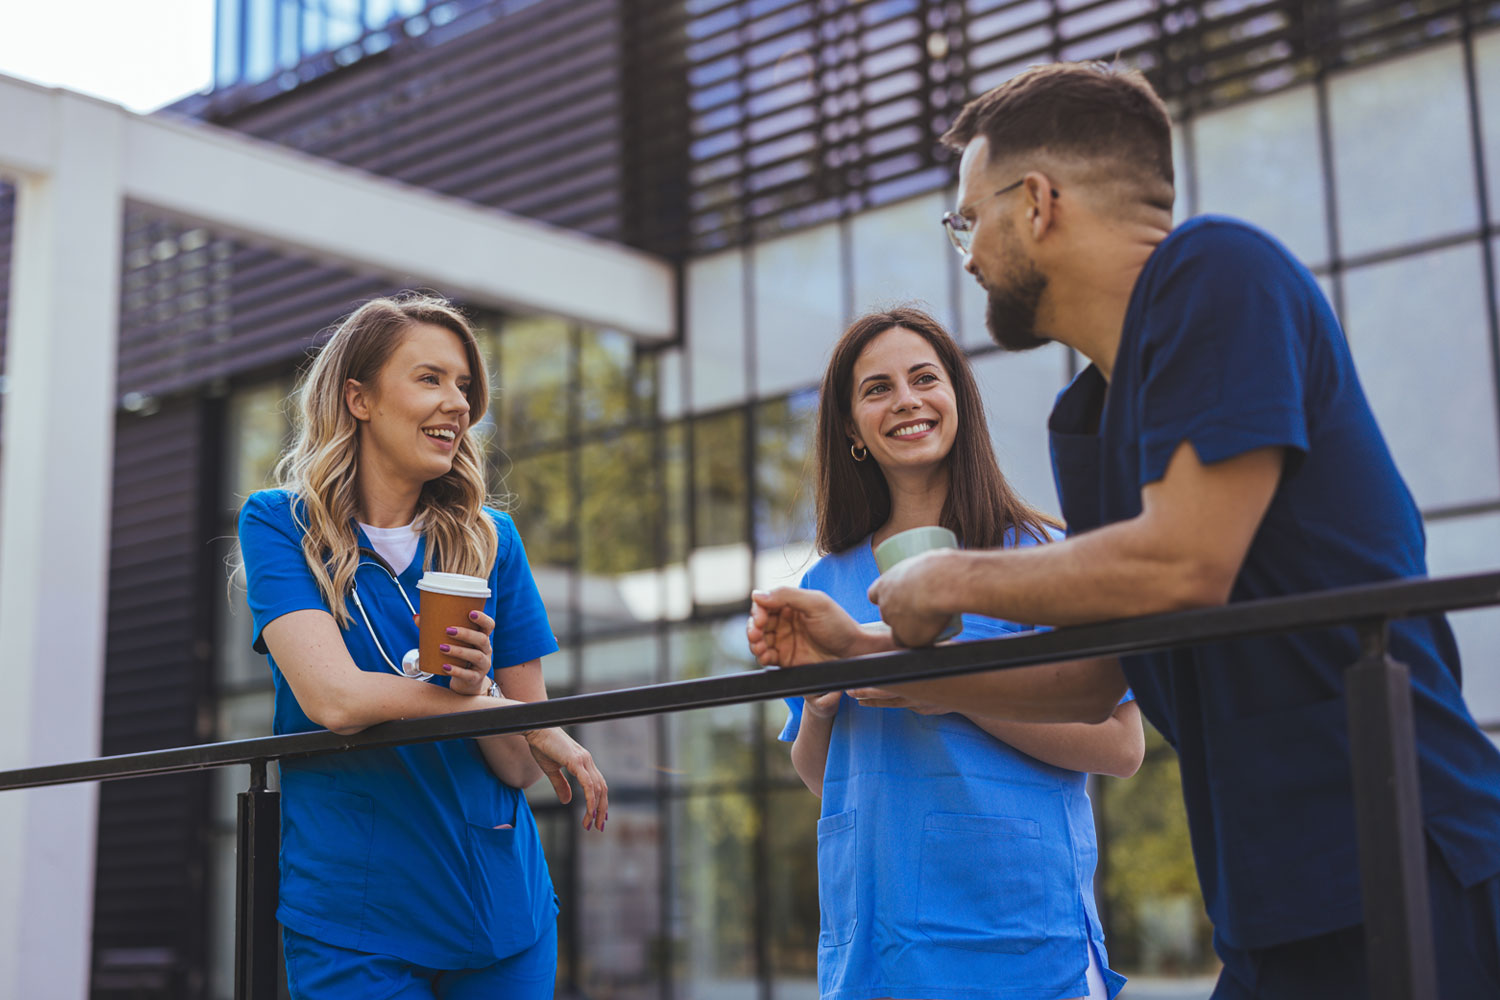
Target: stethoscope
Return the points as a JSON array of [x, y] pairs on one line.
[[409, 663]]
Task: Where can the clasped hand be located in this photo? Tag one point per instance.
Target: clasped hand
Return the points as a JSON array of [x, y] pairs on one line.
[[792, 627]]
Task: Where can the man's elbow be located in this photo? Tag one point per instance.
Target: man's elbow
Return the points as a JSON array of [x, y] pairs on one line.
[[1199, 583]]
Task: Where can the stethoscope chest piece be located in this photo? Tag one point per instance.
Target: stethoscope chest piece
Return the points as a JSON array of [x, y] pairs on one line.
[[411, 667]]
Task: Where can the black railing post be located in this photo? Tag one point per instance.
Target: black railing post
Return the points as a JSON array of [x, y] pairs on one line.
[[256, 976], [1388, 819]]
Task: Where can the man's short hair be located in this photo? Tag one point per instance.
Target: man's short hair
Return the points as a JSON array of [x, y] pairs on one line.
[[1091, 110]]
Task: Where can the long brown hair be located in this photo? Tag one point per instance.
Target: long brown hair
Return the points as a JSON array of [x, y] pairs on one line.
[[319, 468], [853, 499]]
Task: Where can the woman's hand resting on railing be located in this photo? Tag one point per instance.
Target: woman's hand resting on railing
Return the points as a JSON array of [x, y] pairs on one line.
[[791, 627], [556, 752]]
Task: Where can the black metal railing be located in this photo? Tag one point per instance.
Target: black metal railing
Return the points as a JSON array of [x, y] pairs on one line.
[[1382, 746]]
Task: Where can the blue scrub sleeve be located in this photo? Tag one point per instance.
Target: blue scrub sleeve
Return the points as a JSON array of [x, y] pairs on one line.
[[522, 632], [277, 580], [1222, 357]]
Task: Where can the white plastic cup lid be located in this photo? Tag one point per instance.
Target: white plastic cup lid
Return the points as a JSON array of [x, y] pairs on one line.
[[456, 584]]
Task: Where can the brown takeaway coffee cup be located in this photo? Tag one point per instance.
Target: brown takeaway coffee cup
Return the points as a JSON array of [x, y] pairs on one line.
[[446, 600]]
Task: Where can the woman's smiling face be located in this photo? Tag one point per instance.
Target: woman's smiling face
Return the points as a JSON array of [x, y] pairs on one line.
[[418, 409], [903, 409]]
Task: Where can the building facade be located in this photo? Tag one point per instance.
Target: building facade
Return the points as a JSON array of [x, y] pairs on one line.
[[783, 154]]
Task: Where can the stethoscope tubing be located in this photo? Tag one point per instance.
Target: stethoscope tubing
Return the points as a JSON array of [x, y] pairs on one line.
[[368, 557]]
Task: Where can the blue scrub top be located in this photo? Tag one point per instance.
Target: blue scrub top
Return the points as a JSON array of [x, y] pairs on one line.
[[394, 850], [950, 866], [1229, 344]]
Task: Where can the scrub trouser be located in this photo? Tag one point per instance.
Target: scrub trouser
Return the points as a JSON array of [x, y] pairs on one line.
[[318, 971], [1466, 939]]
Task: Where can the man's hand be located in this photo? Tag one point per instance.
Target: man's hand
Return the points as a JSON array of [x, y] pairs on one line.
[[791, 627], [906, 592]]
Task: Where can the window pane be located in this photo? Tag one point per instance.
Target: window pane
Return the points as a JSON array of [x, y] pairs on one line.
[[799, 308], [1151, 905], [1181, 169], [720, 564], [897, 256], [625, 749], [227, 31], [533, 385], [716, 329], [260, 53], [619, 905], [1487, 83], [712, 746], [719, 479], [713, 912], [1018, 392], [619, 529], [784, 491], [614, 388], [1260, 161], [343, 21], [1402, 127], [1419, 333], [792, 835], [669, 384], [258, 428], [540, 502], [1472, 545]]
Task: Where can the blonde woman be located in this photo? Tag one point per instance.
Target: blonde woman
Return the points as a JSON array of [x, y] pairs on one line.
[[413, 871]]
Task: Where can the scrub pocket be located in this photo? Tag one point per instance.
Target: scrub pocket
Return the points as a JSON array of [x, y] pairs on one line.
[[326, 850], [837, 880], [511, 888], [983, 882]]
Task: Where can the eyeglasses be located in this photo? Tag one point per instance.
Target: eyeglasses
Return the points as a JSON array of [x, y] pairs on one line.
[[960, 227]]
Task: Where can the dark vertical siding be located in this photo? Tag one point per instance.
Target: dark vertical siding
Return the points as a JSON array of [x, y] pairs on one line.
[[149, 901]]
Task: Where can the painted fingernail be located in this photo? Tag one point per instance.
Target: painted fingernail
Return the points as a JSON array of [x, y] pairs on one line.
[[443, 647], [448, 667], [451, 631], [473, 616]]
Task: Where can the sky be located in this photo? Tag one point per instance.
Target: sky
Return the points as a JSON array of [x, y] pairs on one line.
[[139, 53]]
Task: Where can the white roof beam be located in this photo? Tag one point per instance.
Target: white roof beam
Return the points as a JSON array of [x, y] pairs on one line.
[[308, 206]]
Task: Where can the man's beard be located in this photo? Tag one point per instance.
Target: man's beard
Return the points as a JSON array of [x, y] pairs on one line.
[[1011, 313]]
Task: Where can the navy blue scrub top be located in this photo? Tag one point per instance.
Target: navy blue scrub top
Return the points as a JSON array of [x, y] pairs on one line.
[[396, 850], [1229, 344]]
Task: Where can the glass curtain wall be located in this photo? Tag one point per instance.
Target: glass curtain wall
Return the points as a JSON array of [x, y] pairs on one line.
[[655, 487]]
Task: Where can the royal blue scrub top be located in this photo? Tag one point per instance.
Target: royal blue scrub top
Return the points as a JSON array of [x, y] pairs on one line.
[[1229, 344], [396, 850], [950, 866]]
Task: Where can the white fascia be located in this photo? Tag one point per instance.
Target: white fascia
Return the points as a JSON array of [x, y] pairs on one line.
[[303, 205]]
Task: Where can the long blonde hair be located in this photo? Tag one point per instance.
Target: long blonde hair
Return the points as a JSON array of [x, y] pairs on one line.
[[319, 468]]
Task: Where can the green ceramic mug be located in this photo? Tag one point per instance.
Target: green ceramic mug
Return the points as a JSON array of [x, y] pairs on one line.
[[914, 541]]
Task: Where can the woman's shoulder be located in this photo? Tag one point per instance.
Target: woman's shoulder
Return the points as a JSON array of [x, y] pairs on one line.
[[273, 504], [1020, 538], [833, 567], [504, 523], [506, 533]]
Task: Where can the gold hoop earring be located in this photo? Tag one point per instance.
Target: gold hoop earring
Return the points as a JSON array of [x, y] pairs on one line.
[[857, 453]]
